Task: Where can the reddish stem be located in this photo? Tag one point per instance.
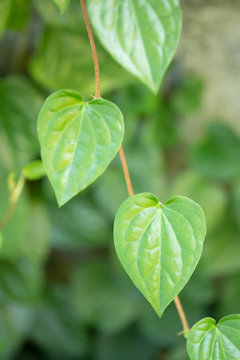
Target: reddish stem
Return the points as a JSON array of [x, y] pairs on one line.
[[121, 152]]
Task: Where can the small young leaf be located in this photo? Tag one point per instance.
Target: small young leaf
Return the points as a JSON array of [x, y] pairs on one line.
[[208, 341], [62, 4], [34, 170], [159, 245], [78, 140], [141, 35]]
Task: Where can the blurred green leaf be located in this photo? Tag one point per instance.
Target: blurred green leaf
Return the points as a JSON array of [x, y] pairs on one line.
[[229, 302], [87, 228], [179, 353], [210, 196], [188, 97], [20, 280], [5, 6], [160, 332], [221, 251], [35, 244], [100, 299], [217, 155], [20, 103], [128, 345], [72, 19], [142, 161], [63, 61], [55, 328], [236, 202], [14, 232], [34, 170], [15, 324], [62, 4], [20, 11]]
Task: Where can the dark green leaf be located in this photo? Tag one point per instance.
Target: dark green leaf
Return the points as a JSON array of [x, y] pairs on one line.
[[19, 14], [191, 185], [217, 156], [100, 299], [55, 328], [87, 228], [20, 103], [20, 280], [210, 341], [159, 245], [15, 325], [78, 140], [63, 61], [141, 35]]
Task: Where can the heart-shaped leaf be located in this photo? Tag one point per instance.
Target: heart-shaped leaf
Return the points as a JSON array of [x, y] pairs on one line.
[[210, 341], [78, 140], [159, 245], [142, 35]]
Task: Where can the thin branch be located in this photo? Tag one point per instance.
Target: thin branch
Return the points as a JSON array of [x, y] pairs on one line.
[[13, 199], [182, 316], [93, 47], [121, 152], [126, 172]]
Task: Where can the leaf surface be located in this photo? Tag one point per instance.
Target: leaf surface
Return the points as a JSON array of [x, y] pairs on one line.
[[78, 140], [210, 341], [62, 4], [142, 35], [159, 245]]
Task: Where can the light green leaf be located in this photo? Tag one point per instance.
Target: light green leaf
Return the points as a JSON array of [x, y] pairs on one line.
[[34, 170], [5, 6], [62, 4], [159, 245], [208, 341], [142, 35], [78, 140]]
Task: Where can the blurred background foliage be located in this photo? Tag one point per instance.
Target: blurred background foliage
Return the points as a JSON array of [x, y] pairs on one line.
[[63, 293]]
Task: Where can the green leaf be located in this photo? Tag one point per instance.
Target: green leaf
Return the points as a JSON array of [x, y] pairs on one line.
[[63, 61], [19, 14], [15, 325], [217, 155], [20, 280], [62, 4], [141, 35], [114, 309], [5, 6], [20, 103], [88, 227], [55, 327], [208, 341], [189, 184], [159, 245], [34, 170], [78, 140]]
